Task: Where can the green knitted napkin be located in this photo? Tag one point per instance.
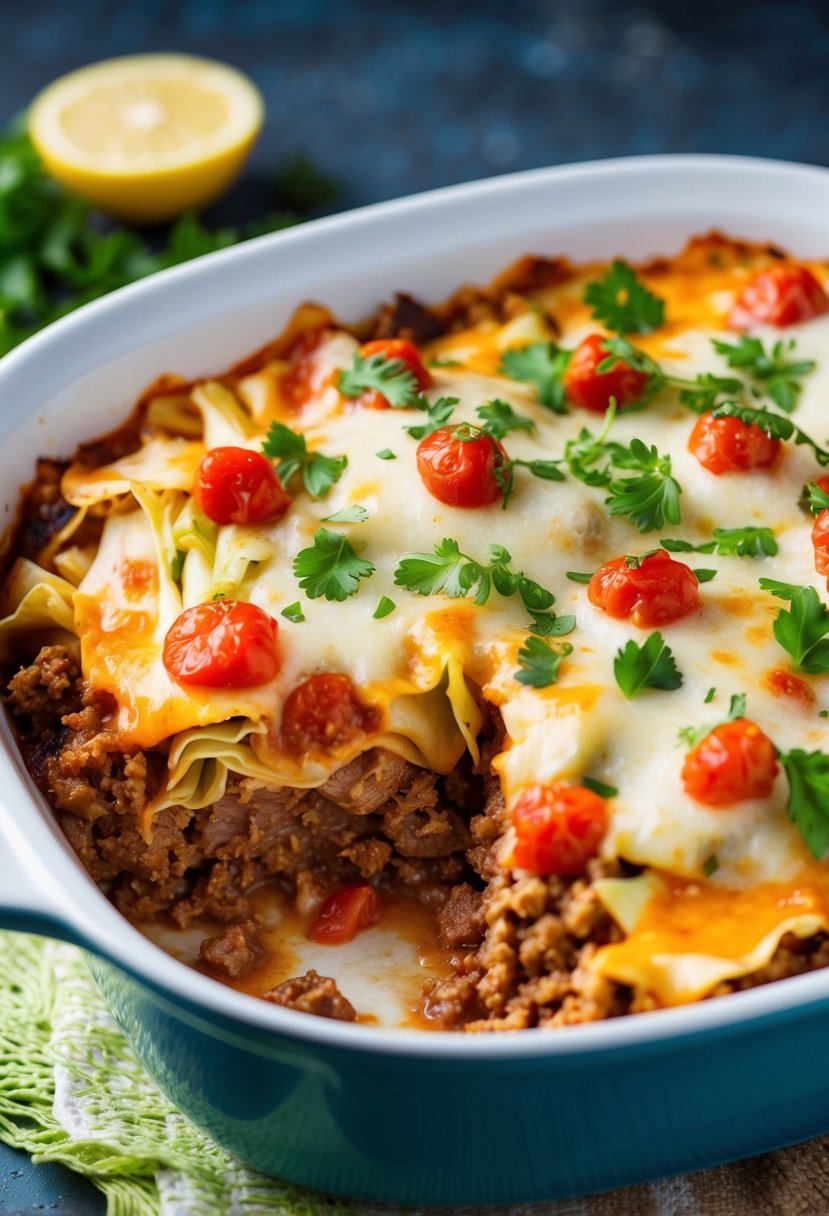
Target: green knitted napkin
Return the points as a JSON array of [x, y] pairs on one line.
[[72, 1091]]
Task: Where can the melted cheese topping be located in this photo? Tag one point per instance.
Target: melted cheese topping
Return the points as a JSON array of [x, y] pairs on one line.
[[420, 664]]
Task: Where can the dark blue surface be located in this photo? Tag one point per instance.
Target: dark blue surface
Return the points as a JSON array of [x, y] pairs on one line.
[[398, 97]]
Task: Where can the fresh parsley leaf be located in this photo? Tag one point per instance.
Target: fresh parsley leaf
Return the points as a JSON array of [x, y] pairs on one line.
[[548, 625], [504, 474], [538, 663], [578, 576], [706, 391], [590, 457], [437, 415], [599, 787], [649, 498], [772, 371], [355, 514], [691, 735], [499, 418], [808, 804], [619, 348], [709, 696], [774, 425], [330, 567], [389, 377], [745, 542], [623, 303], [384, 608], [801, 630], [293, 613], [783, 591], [710, 865], [704, 575], [386, 454], [542, 364], [289, 450], [650, 665], [815, 498]]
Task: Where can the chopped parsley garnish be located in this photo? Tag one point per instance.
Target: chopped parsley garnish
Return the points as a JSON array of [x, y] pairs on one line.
[[808, 804], [823, 713], [652, 496], [389, 377], [499, 418], [704, 575], [815, 498], [437, 415], [578, 576], [386, 454], [384, 608], [330, 567], [622, 302], [650, 665], [504, 474], [599, 787], [691, 735], [772, 372], [777, 426], [289, 450], [538, 663], [710, 865], [293, 613], [801, 628], [355, 514], [729, 542], [709, 696], [542, 364], [448, 571]]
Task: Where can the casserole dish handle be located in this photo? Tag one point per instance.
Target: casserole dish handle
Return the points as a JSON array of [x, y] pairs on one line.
[[27, 905]]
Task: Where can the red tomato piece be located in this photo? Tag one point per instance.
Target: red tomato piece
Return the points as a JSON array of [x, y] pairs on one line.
[[296, 385], [784, 684], [557, 828], [727, 445], [457, 465], [223, 644], [323, 713], [653, 590], [781, 294], [393, 348], [237, 486], [344, 914], [820, 541], [592, 389], [734, 762]]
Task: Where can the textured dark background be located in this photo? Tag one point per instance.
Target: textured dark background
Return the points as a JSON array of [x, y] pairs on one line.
[[393, 97]]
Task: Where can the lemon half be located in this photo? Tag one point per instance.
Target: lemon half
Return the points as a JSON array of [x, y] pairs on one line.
[[146, 137]]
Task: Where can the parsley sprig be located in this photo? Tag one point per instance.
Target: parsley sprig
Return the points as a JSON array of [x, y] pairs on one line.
[[808, 803], [771, 371], [650, 497], [330, 567], [542, 364], [622, 302], [650, 665], [777, 426], [729, 542], [801, 628], [691, 735], [539, 662], [814, 498], [392, 378], [499, 418], [437, 415], [289, 449], [448, 571]]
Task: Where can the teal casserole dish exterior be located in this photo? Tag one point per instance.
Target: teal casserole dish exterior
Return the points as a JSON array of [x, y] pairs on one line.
[[406, 1116]]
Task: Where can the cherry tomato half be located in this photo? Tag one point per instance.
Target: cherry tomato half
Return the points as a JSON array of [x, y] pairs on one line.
[[458, 465], [393, 348], [781, 294], [820, 541], [592, 389], [648, 591], [323, 713], [727, 445], [237, 486], [557, 828], [734, 762], [344, 914], [222, 644]]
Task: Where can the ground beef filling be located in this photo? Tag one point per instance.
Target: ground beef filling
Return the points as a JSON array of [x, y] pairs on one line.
[[521, 945]]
